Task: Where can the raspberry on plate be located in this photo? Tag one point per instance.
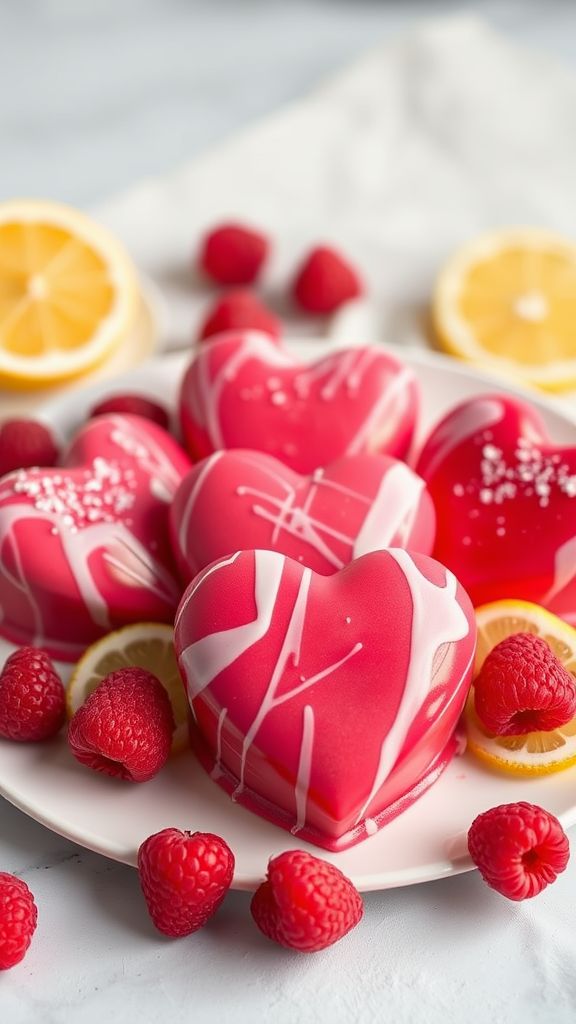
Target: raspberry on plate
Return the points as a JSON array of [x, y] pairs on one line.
[[305, 903], [184, 878], [25, 443], [233, 254], [325, 281], [125, 727], [32, 698], [18, 919], [133, 404], [519, 849], [240, 310], [522, 687]]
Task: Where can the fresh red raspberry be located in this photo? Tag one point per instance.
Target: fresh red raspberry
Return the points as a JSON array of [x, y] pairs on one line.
[[240, 310], [32, 700], [25, 443], [523, 687], [18, 918], [125, 726], [233, 254], [136, 405], [184, 878], [305, 902], [325, 281], [518, 848]]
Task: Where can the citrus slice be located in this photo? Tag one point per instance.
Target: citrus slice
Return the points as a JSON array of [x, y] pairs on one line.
[[148, 645], [508, 301], [68, 293], [535, 753]]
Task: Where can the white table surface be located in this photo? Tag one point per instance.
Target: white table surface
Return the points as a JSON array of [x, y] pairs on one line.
[[97, 93]]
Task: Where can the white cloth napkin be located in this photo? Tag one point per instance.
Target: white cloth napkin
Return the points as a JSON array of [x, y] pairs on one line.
[[412, 150]]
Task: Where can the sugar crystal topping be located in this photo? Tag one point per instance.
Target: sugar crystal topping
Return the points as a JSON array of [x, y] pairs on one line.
[[101, 494], [532, 473]]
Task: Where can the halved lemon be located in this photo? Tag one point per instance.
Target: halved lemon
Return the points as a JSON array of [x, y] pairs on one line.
[[536, 753], [68, 293], [148, 645], [508, 301]]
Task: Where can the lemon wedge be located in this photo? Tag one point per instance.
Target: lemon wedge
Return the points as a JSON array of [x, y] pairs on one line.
[[148, 645], [535, 753], [508, 302], [68, 293]]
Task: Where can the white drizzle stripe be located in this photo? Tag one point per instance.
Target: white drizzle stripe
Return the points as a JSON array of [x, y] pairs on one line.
[[206, 658], [437, 618], [200, 480], [304, 768], [391, 516], [217, 769], [198, 581], [391, 395]]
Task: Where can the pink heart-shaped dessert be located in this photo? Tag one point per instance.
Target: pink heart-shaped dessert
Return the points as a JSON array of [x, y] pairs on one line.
[[84, 548], [326, 704], [505, 502], [243, 391], [355, 505]]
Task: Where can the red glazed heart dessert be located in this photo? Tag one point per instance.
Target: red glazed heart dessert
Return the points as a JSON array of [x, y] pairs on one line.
[[326, 704], [506, 504], [355, 505], [243, 391], [84, 548]]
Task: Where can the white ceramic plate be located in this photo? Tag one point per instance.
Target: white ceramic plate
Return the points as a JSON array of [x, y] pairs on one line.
[[427, 841]]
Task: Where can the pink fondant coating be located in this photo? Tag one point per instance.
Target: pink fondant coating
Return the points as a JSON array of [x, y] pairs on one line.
[[326, 704], [84, 548], [505, 499], [245, 499], [243, 391]]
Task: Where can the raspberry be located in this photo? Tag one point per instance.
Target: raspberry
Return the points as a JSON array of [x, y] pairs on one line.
[[523, 687], [518, 848], [184, 878], [305, 902], [125, 727], [325, 282], [240, 310], [18, 918], [233, 254], [136, 405], [25, 443], [32, 700]]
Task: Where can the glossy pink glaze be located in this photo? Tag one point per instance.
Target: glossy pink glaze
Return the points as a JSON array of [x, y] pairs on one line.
[[506, 503], [326, 704], [84, 547], [357, 504], [243, 391]]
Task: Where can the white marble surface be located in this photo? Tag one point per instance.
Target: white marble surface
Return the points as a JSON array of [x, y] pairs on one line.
[[101, 93]]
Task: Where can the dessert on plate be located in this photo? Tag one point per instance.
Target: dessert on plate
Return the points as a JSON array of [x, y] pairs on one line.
[[84, 546], [357, 504]]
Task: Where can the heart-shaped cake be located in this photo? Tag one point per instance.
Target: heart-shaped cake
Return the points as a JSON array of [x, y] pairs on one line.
[[326, 704], [243, 391], [84, 548], [355, 505], [505, 500]]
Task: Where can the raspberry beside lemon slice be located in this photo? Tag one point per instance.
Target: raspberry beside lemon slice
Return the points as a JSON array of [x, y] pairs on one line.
[[68, 293], [148, 645], [535, 753], [508, 301]]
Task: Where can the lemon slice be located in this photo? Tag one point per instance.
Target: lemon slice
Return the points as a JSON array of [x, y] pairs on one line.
[[148, 645], [535, 753], [68, 293], [508, 301]]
